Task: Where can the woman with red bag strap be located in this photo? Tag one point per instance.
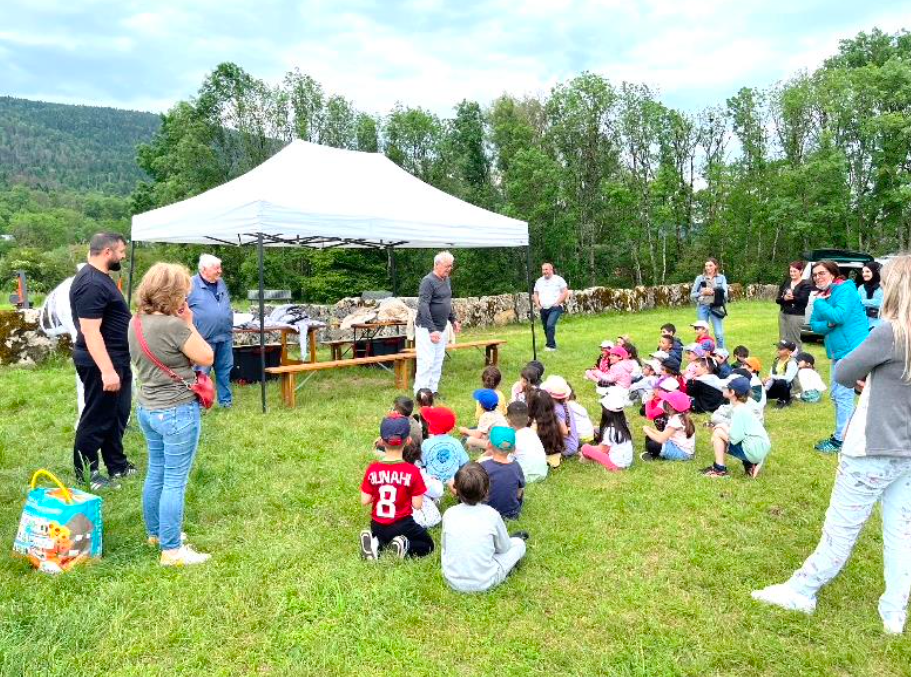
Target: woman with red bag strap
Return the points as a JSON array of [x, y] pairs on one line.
[[164, 346]]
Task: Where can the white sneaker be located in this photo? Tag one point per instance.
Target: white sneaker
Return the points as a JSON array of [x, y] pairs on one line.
[[185, 555], [369, 545], [784, 596], [550, 350], [893, 625]]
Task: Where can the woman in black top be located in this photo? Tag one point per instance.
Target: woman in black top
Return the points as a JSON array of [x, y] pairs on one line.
[[793, 295]]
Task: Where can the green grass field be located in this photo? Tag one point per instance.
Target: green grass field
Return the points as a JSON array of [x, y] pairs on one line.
[[646, 572]]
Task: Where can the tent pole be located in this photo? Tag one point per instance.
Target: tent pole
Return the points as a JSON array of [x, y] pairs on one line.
[[262, 320], [531, 301], [130, 276], [390, 253]]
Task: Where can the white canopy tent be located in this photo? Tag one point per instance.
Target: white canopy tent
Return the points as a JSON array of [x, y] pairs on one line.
[[317, 196]]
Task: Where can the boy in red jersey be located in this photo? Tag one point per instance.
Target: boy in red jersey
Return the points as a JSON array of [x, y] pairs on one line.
[[393, 488]]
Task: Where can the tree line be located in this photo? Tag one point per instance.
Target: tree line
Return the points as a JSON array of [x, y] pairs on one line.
[[618, 188]]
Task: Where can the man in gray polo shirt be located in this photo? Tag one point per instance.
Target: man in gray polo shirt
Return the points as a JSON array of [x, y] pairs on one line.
[[434, 311]]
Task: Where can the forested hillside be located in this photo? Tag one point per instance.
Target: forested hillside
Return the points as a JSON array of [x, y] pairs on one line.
[[82, 148], [617, 187]]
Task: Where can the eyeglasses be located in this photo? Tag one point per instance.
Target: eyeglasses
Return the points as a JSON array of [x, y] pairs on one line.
[[821, 273]]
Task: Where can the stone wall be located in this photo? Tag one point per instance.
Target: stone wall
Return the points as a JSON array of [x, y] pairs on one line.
[[22, 342]]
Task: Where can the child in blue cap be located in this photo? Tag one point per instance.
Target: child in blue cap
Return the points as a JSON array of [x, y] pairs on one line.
[[507, 481], [488, 400], [745, 438]]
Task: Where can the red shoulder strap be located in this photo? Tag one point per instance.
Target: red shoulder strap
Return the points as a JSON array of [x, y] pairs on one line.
[[137, 327]]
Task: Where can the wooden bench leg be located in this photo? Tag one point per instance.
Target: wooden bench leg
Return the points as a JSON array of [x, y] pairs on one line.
[[491, 355], [403, 375], [288, 389]]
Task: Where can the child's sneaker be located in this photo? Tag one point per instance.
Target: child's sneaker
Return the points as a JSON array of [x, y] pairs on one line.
[[185, 555], [524, 535], [712, 471], [784, 596], [647, 456], [99, 482], [369, 545], [828, 446], [399, 546], [154, 541]]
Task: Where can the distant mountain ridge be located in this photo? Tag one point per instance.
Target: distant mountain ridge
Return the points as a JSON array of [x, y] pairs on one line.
[[70, 147]]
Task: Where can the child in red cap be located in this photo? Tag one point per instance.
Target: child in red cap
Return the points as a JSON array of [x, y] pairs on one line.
[[393, 488]]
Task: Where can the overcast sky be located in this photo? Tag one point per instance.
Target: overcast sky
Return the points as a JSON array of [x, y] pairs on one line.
[[429, 53]]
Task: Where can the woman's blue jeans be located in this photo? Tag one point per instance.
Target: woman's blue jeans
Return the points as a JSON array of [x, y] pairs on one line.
[[843, 398], [172, 436], [703, 313]]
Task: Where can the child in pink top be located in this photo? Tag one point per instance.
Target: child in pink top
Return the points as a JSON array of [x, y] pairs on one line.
[[602, 364], [621, 369]]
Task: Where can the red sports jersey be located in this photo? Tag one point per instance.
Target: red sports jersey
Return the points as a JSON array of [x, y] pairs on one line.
[[392, 484]]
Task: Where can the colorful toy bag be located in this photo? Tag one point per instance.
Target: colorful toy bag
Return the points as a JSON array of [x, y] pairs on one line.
[[60, 527]]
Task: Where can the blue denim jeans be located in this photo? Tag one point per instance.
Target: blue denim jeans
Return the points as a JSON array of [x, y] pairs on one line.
[[844, 404], [172, 436], [671, 452], [859, 485], [703, 313], [224, 363], [549, 318]]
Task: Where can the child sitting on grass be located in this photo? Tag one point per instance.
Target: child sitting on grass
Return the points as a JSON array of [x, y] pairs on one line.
[[422, 398], [808, 379], [669, 331], [620, 372], [490, 380], [741, 353], [691, 353], [703, 338], [678, 439], [442, 454], [641, 390], [507, 481], [559, 390], [705, 387], [428, 515], [551, 430], [580, 414], [722, 368], [478, 552], [746, 439], [782, 374], [757, 387], [529, 452], [529, 381], [393, 488], [615, 442], [404, 406], [476, 438]]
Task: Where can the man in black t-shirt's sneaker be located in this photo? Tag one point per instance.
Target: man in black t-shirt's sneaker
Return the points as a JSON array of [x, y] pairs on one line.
[[102, 358]]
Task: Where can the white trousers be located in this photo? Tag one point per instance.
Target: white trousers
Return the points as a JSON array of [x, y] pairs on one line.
[[430, 358], [861, 483]]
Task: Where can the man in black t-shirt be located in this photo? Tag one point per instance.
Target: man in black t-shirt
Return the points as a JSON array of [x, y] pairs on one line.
[[102, 358]]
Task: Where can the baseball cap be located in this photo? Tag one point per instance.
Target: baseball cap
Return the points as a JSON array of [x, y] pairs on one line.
[[440, 420], [503, 438], [607, 344], [620, 352], [614, 400], [700, 324], [722, 354], [671, 363], [678, 400], [806, 357], [694, 348], [738, 384], [785, 344], [654, 364], [669, 384], [753, 363], [707, 344], [488, 399], [395, 430], [556, 387]]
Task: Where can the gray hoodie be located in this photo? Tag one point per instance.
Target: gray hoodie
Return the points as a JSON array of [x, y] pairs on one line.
[[880, 424]]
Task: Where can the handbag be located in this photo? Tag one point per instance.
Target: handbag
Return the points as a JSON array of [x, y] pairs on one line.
[[60, 527], [203, 387]]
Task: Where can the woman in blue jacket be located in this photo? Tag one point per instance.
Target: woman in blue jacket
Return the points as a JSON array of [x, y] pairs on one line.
[[839, 317], [871, 292]]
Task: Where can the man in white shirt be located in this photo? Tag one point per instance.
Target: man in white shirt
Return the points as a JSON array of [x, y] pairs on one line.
[[551, 293]]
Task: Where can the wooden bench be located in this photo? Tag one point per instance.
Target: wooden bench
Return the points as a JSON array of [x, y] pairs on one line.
[[491, 349], [288, 372], [337, 347]]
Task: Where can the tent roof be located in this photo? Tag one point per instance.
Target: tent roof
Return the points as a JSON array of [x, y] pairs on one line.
[[318, 196]]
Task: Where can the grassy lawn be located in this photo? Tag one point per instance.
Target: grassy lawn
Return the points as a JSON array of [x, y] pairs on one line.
[[646, 572]]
